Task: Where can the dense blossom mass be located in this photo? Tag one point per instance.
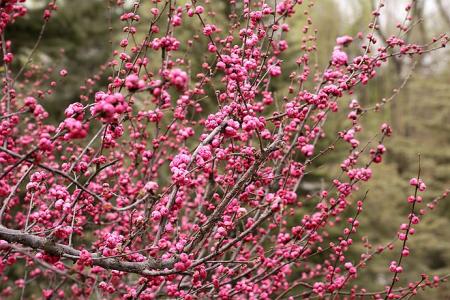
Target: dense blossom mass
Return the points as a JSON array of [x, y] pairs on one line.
[[183, 179]]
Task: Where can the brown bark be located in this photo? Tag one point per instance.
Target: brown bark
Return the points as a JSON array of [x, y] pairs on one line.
[[41, 243]]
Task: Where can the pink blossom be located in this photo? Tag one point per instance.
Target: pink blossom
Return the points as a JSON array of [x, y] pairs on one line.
[[133, 83], [344, 40], [339, 57], [220, 161], [209, 29], [63, 73]]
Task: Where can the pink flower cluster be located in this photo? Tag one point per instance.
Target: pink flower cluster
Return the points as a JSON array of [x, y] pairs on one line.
[[178, 78], [37, 109], [178, 167], [253, 123], [363, 174], [134, 83], [109, 107], [246, 133], [418, 183]]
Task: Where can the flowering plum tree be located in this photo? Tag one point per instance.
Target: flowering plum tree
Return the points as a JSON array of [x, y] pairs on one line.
[[183, 179]]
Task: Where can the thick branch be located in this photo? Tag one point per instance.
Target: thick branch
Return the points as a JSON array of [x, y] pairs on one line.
[[41, 243], [238, 187]]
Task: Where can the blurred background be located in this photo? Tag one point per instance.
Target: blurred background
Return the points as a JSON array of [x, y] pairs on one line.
[[88, 31]]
